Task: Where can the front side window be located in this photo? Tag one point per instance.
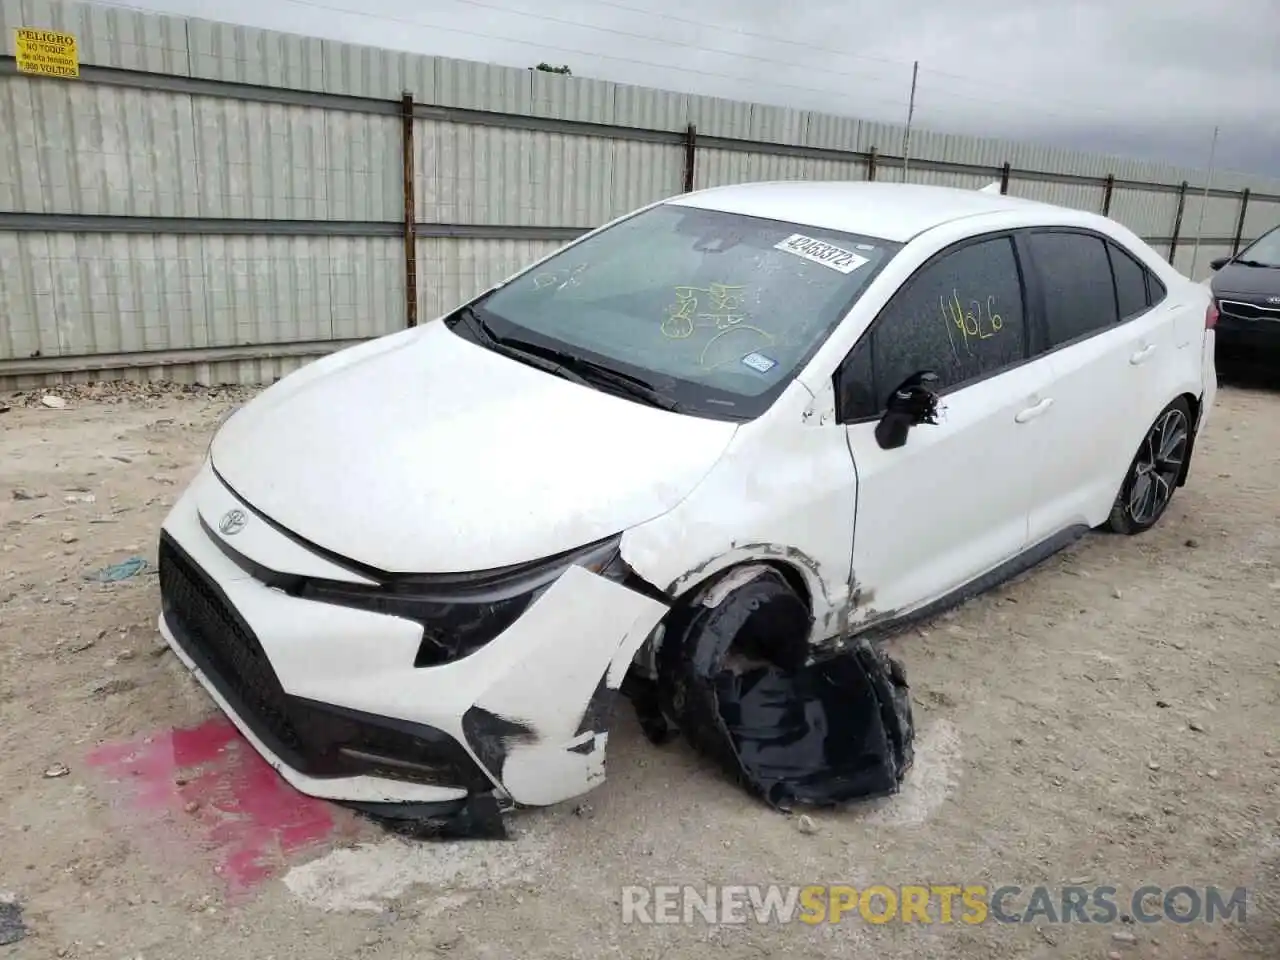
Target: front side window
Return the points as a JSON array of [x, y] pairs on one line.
[[961, 316], [716, 311], [1075, 273]]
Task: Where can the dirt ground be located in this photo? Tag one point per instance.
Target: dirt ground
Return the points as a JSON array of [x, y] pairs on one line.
[[1110, 718]]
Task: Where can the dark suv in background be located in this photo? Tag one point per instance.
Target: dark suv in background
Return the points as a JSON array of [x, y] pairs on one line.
[[1246, 291]]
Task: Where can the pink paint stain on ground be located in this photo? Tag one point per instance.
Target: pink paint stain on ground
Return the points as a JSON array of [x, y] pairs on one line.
[[211, 776]]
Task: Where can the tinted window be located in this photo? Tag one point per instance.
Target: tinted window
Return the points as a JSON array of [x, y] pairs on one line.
[[1156, 290], [1131, 283], [960, 316], [1079, 297]]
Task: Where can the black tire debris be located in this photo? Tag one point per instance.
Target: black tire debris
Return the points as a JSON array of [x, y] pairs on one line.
[[737, 680]]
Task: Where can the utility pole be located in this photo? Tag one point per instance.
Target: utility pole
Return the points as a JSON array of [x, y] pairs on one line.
[[1204, 202], [911, 109]]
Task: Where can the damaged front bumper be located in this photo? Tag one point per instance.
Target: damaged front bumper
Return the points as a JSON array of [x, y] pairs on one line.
[[331, 698]]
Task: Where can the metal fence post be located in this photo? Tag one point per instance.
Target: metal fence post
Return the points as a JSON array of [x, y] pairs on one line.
[[1177, 220], [1108, 187], [872, 158], [690, 156], [1244, 205], [1004, 177], [410, 216]]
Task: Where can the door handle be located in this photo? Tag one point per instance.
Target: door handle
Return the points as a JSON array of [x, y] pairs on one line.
[[1039, 410], [1143, 355]]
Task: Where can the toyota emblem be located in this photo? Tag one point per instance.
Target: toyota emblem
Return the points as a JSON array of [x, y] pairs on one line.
[[232, 522], [1273, 299]]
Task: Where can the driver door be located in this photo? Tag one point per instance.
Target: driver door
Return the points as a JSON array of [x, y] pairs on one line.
[[953, 502]]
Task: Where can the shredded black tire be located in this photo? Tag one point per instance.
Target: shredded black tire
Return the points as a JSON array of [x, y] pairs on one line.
[[735, 680]]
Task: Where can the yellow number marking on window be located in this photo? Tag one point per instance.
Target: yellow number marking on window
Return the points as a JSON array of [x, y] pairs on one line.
[[969, 321]]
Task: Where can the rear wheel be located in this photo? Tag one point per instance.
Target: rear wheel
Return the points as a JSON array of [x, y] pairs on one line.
[[1153, 476]]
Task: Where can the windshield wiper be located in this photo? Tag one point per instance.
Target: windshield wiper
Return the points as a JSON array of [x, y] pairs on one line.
[[527, 352], [476, 324], [570, 366], [1255, 263], [632, 386], [597, 373]]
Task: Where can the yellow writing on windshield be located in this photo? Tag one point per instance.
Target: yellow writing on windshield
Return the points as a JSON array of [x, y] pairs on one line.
[[977, 321], [744, 328], [718, 305]]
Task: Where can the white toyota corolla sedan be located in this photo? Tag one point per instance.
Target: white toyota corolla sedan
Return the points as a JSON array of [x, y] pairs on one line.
[[415, 571]]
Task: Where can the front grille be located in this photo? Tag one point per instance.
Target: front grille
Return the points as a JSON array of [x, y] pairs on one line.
[[320, 740], [224, 647], [1248, 311]]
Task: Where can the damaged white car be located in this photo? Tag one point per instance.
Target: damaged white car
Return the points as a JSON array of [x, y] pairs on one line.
[[704, 449]]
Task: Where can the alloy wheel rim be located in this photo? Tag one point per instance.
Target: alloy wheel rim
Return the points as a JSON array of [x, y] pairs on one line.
[[1158, 464]]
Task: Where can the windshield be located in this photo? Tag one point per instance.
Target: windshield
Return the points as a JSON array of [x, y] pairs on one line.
[[715, 311], [1265, 250]]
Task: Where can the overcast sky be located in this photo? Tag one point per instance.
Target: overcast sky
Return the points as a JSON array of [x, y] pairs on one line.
[[1140, 78]]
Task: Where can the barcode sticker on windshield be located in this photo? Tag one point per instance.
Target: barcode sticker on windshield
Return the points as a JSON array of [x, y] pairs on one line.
[[759, 362], [819, 251]]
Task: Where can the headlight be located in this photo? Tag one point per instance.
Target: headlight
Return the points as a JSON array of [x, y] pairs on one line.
[[460, 613]]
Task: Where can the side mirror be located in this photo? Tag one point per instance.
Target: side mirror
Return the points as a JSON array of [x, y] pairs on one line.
[[914, 403], [1218, 263]]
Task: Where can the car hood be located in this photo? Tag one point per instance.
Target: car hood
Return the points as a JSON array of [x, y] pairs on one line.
[[1246, 281], [425, 453]]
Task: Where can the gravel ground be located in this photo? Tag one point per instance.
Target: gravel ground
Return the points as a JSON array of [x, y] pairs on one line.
[[1110, 718]]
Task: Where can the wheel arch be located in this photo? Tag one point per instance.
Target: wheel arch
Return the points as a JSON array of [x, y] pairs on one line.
[[1195, 403], [732, 576], [797, 570], [792, 572]]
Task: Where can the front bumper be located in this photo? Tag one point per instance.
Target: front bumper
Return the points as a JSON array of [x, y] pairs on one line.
[[1247, 325], [330, 697], [1243, 336]]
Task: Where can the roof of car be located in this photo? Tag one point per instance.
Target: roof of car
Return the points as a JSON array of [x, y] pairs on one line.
[[889, 211]]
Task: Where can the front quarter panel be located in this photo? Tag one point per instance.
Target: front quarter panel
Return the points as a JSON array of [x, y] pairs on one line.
[[783, 492]]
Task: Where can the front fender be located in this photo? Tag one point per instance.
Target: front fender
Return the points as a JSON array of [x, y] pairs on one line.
[[783, 493]]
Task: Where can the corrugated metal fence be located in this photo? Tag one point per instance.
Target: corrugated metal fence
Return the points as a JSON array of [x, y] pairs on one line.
[[218, 203]]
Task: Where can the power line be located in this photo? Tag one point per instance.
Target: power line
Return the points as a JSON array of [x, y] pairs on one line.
[[1039, 105], [746, 33], [312, 4], [906, 65], [911, 70], [547, 18]]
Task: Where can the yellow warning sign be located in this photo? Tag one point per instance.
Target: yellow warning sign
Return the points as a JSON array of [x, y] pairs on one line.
[[47, 53]]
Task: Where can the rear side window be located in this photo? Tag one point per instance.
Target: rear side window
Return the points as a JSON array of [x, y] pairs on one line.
[[960, 316], [1131, 283], [1075, 273], [1156, 290]]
